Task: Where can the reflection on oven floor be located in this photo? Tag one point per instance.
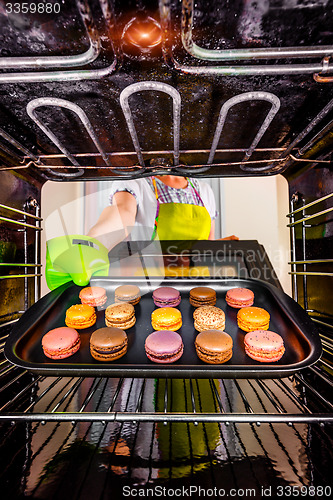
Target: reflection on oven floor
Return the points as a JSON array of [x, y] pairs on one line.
[[96, 460]]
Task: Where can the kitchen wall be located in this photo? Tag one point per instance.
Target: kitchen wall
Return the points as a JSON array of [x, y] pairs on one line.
[[250, 208], [256, 208]]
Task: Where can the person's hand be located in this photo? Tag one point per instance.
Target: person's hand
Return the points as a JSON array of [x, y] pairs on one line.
[[232, 237]]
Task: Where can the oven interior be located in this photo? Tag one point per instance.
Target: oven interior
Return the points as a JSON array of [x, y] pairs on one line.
[[221, 89]]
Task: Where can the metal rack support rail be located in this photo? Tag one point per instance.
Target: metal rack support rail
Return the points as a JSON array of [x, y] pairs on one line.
[[323, 198], [241, 418], [11, 322], [66, 388], [161, 152], [304, 261], [27, 154], [21, 212], [24, 226], [131, 170], [320, 116]]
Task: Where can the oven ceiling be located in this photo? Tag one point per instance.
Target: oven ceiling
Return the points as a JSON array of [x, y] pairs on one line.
[[84, 55]]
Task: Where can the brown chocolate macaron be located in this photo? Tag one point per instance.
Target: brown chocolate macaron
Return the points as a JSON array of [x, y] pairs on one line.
[[208, 318], [120, 316], [202, 296], [128, 293], [214, 346], [108, 344]]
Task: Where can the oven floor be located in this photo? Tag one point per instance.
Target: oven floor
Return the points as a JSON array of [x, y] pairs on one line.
[[117, 460]]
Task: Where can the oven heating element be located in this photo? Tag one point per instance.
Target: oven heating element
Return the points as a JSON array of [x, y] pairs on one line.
[[292, 153]]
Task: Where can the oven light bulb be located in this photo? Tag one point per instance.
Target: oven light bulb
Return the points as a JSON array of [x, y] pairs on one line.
[[144, 34]]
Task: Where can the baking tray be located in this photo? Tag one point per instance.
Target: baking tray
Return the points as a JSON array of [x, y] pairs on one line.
[[302, 342]]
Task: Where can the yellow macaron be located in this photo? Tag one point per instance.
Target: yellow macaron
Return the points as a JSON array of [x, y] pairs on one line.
[[166, 318]]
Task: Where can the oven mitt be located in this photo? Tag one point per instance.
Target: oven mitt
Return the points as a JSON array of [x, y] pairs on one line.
[[74, 257]]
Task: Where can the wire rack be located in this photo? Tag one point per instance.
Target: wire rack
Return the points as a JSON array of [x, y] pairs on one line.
[[144, 431], [69, 400], [306, 217]]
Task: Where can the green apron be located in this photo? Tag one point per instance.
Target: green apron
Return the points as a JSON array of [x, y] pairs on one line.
[[181, 221]]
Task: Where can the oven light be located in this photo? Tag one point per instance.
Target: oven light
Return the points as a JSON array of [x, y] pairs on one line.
[[145, 33]]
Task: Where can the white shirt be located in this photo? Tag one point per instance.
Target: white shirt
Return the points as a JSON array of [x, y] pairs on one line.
[[147, 204]]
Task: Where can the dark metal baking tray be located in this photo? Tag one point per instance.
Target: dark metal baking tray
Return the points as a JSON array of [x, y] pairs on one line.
[[302, 342]]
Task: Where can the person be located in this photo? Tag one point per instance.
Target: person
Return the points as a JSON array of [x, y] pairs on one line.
[[165, 207]]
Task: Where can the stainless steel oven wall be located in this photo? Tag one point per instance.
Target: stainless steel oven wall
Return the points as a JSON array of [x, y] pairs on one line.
[[311, 226], [20, 268]]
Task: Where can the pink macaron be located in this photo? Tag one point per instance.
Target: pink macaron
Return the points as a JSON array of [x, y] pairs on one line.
[[166, 296], [239, 297], [164, 346], [264, 346], [61, 343], [93, 296]]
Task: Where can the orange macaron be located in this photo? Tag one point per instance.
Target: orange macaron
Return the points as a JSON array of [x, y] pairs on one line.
[[80, 316], [253, 318], [166, 318]]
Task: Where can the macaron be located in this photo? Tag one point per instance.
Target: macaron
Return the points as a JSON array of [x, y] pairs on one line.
[[264, 346], [120, 316], [108, 344], [164, 346], [253, 318], [208, 318], [239, 297], [166, 318], [94, 296], [213, 346], [202, 296], [166, 296], [61, 343], [128, 293], [80, 316]]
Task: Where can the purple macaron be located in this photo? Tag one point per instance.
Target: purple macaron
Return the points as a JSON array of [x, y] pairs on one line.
[[164, 346], [166, 296]]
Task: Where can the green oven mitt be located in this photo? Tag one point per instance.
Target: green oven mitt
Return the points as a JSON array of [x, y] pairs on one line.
[[74, 257]]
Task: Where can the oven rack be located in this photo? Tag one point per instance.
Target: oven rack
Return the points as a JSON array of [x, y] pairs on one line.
[[51, 399], [26, 225], [111, 430], [308, 215]]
